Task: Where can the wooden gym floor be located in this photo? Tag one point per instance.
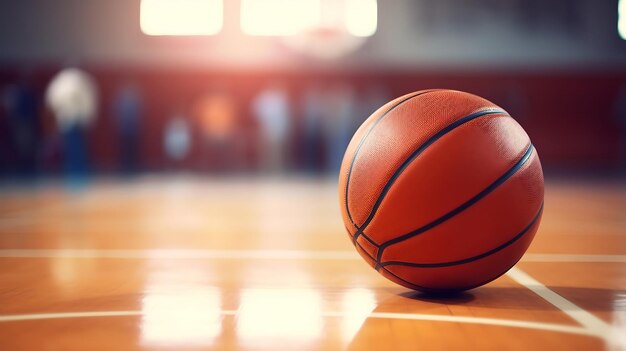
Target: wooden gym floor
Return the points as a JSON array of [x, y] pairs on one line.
[[197, 263]]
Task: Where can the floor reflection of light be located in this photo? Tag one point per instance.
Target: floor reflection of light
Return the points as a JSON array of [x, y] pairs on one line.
[[188, 315], [357, 304], [66, 271], [618, 335], [280, 314]]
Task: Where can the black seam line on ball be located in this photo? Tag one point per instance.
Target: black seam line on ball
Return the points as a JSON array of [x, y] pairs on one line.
[[518, 165], [429, 289], [368, 239], [419, 287], [348, 230], [377, 268], [354, 242], [368, 254], [358, 148], [362, 233], [470, 259], [414, 155]]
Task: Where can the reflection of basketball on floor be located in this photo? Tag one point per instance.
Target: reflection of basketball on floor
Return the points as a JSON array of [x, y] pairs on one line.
[[441, 190]]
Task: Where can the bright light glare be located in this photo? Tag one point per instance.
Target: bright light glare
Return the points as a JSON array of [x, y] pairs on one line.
[[278, 17], [361, 17], [621, 19], [187, 316], [287, 314], [181, 17], [357, 305], [617, 337]]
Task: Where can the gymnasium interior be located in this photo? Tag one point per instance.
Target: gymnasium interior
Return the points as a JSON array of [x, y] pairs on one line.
[[169, 172]]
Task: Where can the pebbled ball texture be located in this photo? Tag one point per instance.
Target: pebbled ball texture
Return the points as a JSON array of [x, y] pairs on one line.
[[441, 190]]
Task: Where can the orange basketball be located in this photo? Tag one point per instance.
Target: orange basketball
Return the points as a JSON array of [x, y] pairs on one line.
[[441, 190]]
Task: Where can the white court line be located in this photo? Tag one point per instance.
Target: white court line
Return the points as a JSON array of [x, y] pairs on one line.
[[43, 316], [65, 315], [258, 254], [530, 257], [590, 322], [378, 315], [186, 254]]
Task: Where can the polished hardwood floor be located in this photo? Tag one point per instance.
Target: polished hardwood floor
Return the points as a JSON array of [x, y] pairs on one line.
[[190, 263]]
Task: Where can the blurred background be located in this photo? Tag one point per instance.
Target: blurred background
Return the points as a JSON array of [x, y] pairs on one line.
[[129, 87]]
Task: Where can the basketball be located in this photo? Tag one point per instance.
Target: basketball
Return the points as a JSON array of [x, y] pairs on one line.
[[441, 190]]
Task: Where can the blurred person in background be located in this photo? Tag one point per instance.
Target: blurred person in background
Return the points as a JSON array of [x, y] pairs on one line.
[[312, 111], [50, 157], [339, 123], [271, 110], [22, 128], [217, 114], [73, 98], [177, 139], [127, 107]]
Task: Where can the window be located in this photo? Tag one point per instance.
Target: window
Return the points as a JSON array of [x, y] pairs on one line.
[[181, 17], [288, 17], [361, 17], [278, 17]]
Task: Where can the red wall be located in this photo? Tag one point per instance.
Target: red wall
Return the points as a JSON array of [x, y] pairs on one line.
[[571, 117]]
